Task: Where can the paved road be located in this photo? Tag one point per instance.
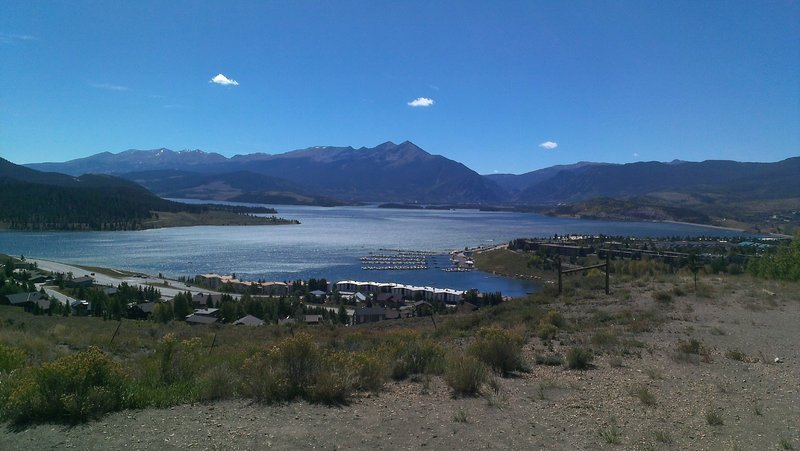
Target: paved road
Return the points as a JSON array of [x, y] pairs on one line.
[[113, 281]]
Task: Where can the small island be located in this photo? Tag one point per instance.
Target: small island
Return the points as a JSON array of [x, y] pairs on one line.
[[215, 216]]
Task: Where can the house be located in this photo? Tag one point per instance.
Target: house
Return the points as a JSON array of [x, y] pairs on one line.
[[209, 280], [201, 300], [195, 319], [80, 282], [37, 277], [389, 300], [369, 315], [210, 312], [249, 320], [141, 311], [275, 288], [287, 320], [397, 314], [29, 301], [80, 307], [318, 294], [313, 319]]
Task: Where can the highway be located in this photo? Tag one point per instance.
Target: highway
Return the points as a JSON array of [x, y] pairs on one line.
[[113, 281]]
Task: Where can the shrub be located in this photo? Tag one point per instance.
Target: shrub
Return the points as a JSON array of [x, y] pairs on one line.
[[11, 358], [547, 331], [693, 346], [664, 437], [465, 374], [297, 367], [301, 360], [662, 297], [177, 359], [549, 359], [735, 354], [615, 362], [784, 263], [334, 381], [372, 371], [460, 416], [549, 324], [262, 380], [553, 317], [645, 395], [217, 383], [71, 389], [692, 351], [411, 354], [610, 435], [498, 348], [714, 417], [579, 358], [606, 338]]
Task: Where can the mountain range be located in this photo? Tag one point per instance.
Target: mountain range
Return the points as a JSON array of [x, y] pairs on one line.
[[405, 173]]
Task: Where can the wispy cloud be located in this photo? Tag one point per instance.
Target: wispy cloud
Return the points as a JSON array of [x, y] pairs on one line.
[[223, 80], [636, 155], [108, 86], [549, 145], [421, 102], [10, 38]]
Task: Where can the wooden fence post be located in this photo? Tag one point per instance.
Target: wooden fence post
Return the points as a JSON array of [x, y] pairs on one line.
[[115, 332], [558, 262]]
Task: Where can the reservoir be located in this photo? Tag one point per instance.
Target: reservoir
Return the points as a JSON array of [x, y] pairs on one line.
[[327, 244]]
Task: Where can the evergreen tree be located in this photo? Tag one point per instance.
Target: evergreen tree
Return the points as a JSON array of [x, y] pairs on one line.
[[342, 316], [163, 312], [182, 305]]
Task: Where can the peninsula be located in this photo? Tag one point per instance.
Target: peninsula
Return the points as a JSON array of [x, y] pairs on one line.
[[35, 200]]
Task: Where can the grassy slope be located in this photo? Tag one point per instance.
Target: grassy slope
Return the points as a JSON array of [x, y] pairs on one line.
[[508, 263]]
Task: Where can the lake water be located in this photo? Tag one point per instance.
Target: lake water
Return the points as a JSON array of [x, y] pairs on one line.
[[327, 243]]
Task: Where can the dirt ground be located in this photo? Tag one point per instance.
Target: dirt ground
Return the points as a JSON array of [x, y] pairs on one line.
[[648, 398]]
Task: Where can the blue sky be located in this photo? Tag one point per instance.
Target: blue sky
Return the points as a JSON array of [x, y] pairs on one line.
[[500, 86]]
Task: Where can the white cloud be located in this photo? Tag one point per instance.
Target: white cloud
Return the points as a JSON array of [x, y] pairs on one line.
[[108, 86], [636, 154], [549, 145], [6, 38], [421, 101], [223, 80]]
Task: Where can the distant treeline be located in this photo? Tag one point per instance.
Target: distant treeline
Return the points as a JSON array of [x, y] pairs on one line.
[[640, 208], [28, 206]]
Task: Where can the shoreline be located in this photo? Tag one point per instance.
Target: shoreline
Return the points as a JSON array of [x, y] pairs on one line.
[[733, 229]]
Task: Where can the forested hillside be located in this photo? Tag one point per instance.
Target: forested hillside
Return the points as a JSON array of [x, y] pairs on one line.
[[33, 200]]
